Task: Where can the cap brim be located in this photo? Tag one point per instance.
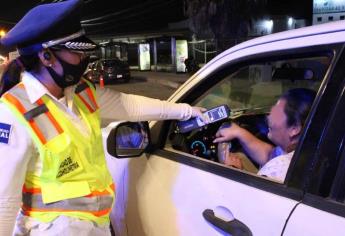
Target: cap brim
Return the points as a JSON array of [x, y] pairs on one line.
[[81, 43]]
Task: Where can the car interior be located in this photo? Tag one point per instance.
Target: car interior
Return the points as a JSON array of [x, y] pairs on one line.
[[249, 92]]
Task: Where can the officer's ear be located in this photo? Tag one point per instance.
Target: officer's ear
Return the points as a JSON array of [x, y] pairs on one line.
[[46, 57]]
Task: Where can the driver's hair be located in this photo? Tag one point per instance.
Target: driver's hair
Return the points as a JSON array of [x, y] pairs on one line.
[[298, 104]]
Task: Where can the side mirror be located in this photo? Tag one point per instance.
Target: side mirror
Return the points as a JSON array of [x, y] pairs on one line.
[[128, 139]]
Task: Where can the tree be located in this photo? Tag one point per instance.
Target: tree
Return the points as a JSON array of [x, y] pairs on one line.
[[222, 20]]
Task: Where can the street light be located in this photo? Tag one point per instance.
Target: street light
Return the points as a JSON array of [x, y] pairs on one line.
[[2, 33]]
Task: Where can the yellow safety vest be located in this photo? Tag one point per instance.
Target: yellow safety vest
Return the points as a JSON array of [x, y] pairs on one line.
[[74, 179]]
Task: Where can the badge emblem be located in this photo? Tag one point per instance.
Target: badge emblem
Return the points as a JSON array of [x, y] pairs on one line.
[[5, 132]]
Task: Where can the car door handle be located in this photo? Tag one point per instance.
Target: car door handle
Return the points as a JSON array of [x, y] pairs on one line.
[[233, 226]]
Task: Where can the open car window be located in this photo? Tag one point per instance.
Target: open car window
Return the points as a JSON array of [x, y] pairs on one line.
[[249, 92], [258, 86]]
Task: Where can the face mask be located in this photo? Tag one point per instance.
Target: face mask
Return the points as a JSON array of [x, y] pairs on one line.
[[71, 73]]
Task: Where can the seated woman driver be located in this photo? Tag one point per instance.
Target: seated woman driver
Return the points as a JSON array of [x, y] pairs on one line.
[[285, 123]]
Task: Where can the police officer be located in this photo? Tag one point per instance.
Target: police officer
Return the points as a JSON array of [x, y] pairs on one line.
[[52, 162]]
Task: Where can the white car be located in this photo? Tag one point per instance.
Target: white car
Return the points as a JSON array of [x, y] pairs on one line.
[[178, 186]]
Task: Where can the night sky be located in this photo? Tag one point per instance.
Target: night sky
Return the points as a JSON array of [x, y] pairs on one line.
[[130, 15], [295, 8], [137, 15], [115, 15]]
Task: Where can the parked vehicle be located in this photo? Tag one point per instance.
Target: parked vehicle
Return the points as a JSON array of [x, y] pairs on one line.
[[178, 187], [111, 70]]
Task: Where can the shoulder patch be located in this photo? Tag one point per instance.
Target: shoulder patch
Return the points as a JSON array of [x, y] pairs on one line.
[[5, 132]]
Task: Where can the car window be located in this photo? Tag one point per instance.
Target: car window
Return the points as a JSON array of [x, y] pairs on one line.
[[249, 92], [258, 86], [112, 62]]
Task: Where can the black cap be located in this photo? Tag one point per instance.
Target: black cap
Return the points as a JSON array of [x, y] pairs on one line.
[[49, 25]]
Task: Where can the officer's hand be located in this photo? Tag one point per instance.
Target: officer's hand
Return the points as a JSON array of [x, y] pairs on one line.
[[198, 112]]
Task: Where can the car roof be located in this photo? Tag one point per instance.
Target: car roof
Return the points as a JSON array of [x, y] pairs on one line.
[[320, 29], [322, 34]]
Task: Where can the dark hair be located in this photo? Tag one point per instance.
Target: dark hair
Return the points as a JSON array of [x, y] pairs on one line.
[[298, 104], [11, 74]]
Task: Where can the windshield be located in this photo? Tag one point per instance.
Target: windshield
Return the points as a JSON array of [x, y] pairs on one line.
[[111, 62]]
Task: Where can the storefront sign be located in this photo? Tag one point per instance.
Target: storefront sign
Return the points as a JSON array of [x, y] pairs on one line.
[[328, 6], [181, 55], [144, 56]]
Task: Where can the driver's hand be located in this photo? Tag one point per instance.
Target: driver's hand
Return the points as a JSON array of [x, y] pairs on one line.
[[198, 112], [228, 133], [233, 160]]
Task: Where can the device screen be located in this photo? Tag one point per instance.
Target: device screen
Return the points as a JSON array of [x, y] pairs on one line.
[[217, 113]]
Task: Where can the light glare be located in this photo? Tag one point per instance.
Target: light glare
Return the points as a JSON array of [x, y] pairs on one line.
[[268, 24], [290, 21]]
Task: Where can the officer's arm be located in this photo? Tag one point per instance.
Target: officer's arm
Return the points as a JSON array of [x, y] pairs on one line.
[[120, 106], [14, 155]]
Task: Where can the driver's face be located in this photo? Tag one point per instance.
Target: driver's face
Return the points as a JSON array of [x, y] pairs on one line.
[[278, 132]]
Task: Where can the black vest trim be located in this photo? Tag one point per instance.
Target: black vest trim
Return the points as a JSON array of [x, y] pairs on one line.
[[36, 112]]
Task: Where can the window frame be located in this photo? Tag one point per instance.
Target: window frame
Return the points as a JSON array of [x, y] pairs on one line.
[[333, 140]]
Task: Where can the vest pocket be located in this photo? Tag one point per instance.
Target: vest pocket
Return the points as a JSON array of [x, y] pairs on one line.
[[56, 191], [62, 161]]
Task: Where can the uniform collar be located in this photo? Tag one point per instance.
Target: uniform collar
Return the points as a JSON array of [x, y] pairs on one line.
[[34, 88]]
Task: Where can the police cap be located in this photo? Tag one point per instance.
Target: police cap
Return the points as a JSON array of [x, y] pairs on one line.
[[53, 25]]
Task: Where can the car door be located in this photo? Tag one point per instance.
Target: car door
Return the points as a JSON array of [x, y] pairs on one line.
[[323, 204], [168, 191]]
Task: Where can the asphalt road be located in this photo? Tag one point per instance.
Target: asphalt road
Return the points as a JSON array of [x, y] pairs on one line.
[[151, 84]]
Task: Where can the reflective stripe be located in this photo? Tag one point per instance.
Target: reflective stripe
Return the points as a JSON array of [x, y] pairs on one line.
[[31, 190], [87, 204], [22, 103], [27, 211], [86, 96], [51, 118], [96, 203], [44, 125], [105, 192], [22, 109], [92, 98]]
